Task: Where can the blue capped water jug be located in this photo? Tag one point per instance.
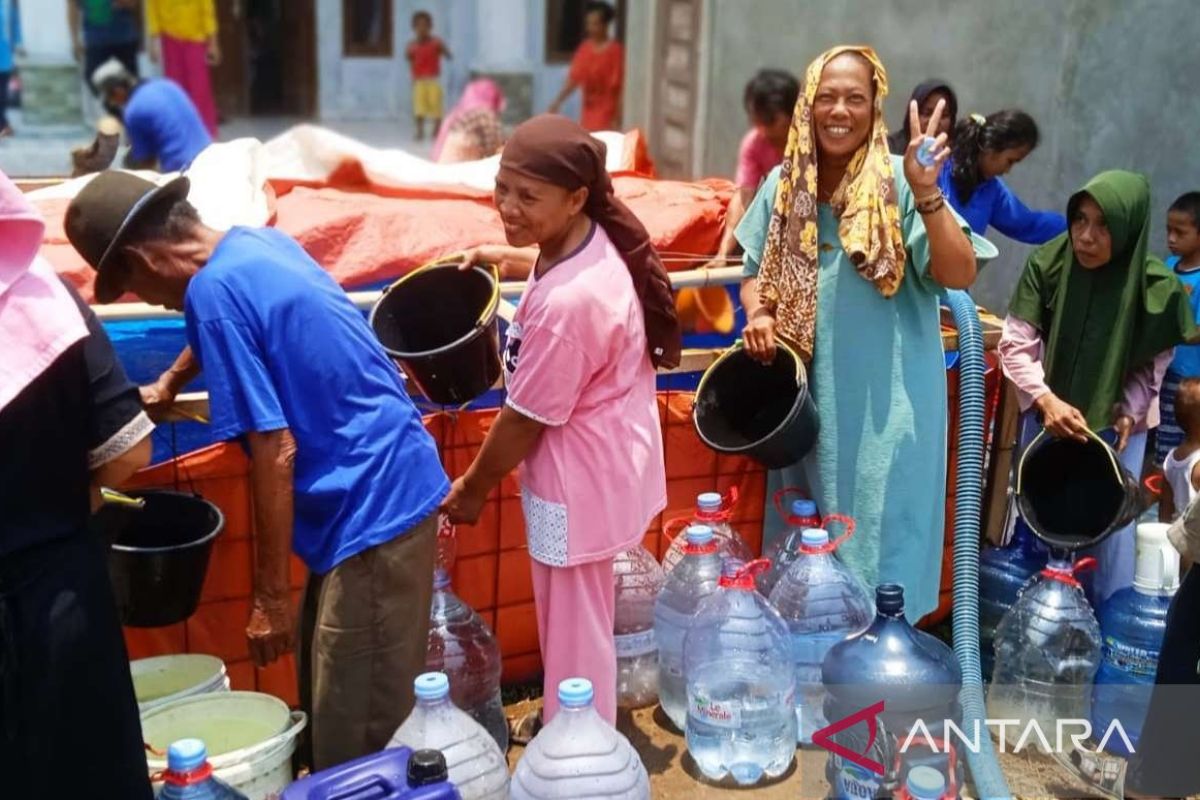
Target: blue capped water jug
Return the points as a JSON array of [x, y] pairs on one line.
[[740, 683], [189, 776], [1133, 622], [892, 677], [783, 552], [822, 603], [1003, 571], [692, 579]]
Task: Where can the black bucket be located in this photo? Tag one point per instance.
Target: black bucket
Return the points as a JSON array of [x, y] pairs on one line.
[[1074, 494], [748, 408], [158, 555], [440, 324]]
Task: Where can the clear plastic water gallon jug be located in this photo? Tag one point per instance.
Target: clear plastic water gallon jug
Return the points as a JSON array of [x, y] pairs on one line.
[[189, 776], [637, 579], [714, 511], [783, 552], [463, 646], [693, 579], [892, 675], [822, 603], [1132, 624], [396, 773], [1003, 571], [578, 754], [1047, 653], [740, 682], [476, 766]]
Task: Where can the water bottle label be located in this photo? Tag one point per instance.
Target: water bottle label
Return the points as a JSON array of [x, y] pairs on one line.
[[718, 713], [631, 645], [854, 782], [1135, 660]]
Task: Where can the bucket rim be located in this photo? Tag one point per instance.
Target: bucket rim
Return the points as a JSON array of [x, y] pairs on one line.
[[486, 317], [1042, 435], [153, 661], [202, 541], [801, 378]]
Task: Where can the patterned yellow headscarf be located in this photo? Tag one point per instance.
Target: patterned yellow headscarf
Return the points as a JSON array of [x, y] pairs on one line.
[[865, 203]]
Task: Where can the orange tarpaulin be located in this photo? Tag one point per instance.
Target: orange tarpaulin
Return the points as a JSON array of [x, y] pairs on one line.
[[491, 569]]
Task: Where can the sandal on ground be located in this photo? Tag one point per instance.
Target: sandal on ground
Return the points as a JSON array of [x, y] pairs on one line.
[[522, 730], [1103, 772]]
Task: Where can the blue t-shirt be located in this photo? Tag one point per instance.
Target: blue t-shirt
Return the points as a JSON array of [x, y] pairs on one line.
[[104, 26], [163, 124], [1186, 362], [282, 346], [994, 204]]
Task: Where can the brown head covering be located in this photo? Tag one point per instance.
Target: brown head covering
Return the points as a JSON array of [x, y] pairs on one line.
[[556, 150]]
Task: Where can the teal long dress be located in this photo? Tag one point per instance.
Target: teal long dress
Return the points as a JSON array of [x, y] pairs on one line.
[[878, 377]]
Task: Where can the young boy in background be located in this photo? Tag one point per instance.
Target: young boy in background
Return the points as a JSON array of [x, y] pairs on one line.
[[769, 99], [424, 55], [1181, 468], [1183, 240]]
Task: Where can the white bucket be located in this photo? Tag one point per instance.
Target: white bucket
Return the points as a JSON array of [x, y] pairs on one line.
[[162, 680], [250, 737]]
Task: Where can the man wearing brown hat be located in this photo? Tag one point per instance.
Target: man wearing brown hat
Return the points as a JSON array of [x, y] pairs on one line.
[[342, 470]]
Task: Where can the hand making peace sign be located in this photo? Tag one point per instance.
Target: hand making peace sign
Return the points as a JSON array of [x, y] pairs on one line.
[[921, 178]]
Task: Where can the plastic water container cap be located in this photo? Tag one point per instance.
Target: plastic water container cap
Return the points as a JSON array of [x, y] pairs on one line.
[[432, 686], [709, 501], [889, 599], [1157, 564], [804, 508], [814, 537], [925, 783], [575, 692], [441, 579], [186, 755], [699, 534]]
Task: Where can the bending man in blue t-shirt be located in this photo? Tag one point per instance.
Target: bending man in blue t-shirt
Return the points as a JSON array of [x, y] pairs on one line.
[[161, 121], [342, 470]]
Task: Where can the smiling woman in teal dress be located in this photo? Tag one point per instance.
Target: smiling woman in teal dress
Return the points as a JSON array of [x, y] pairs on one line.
[[847, 251]]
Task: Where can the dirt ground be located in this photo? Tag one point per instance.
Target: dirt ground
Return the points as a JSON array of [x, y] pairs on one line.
[[673, 775]]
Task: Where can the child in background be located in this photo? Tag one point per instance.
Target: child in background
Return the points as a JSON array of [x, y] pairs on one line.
[[1183, 240], [424, 55], [769, 99], [1181, 468]]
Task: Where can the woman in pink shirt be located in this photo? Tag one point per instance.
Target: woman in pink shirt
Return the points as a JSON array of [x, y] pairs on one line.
[[581, 417]]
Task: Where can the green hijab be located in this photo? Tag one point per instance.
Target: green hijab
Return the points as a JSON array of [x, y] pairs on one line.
[[1100, 324]]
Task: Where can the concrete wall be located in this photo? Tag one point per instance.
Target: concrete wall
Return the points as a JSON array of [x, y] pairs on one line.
[[1112, 83]]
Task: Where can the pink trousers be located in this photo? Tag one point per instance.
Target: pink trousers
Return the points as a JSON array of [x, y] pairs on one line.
[[575, 614], [186, 63]]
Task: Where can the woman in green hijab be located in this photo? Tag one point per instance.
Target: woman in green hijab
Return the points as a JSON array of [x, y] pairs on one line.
[[1090, 331]]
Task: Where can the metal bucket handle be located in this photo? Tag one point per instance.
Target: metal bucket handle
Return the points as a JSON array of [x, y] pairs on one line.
[[734, 348], [450, 259], [1042, 434]]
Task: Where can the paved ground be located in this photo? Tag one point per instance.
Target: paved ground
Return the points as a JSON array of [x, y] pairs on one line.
[[35, 154], [673, 774]]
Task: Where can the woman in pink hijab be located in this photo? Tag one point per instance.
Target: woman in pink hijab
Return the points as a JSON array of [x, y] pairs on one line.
[[70, 421], [473, 129]]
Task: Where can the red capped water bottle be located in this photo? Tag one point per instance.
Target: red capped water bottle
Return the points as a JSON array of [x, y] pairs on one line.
[[714, 511], [189, 776]]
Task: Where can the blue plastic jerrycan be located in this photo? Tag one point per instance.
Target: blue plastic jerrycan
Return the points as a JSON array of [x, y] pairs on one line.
[[394, 774]]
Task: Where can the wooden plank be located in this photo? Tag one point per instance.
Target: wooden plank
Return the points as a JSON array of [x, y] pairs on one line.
[[1000, 462], [193, 406]]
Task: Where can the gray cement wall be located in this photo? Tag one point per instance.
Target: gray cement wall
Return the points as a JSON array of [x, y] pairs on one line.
[[1112, 83]]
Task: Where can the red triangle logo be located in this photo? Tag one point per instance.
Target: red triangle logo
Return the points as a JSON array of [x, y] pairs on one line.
[[868, 715]]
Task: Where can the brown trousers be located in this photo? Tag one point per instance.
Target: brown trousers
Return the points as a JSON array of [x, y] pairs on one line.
[[364, 630]]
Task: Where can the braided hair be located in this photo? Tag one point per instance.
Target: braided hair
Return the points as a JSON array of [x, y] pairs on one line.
[[1000, 130]]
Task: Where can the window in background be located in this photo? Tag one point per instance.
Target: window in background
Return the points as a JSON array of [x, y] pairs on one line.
[[564, 27], [367, 28]]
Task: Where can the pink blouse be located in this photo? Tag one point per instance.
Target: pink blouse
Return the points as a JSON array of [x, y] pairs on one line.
[[1021, 360]]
